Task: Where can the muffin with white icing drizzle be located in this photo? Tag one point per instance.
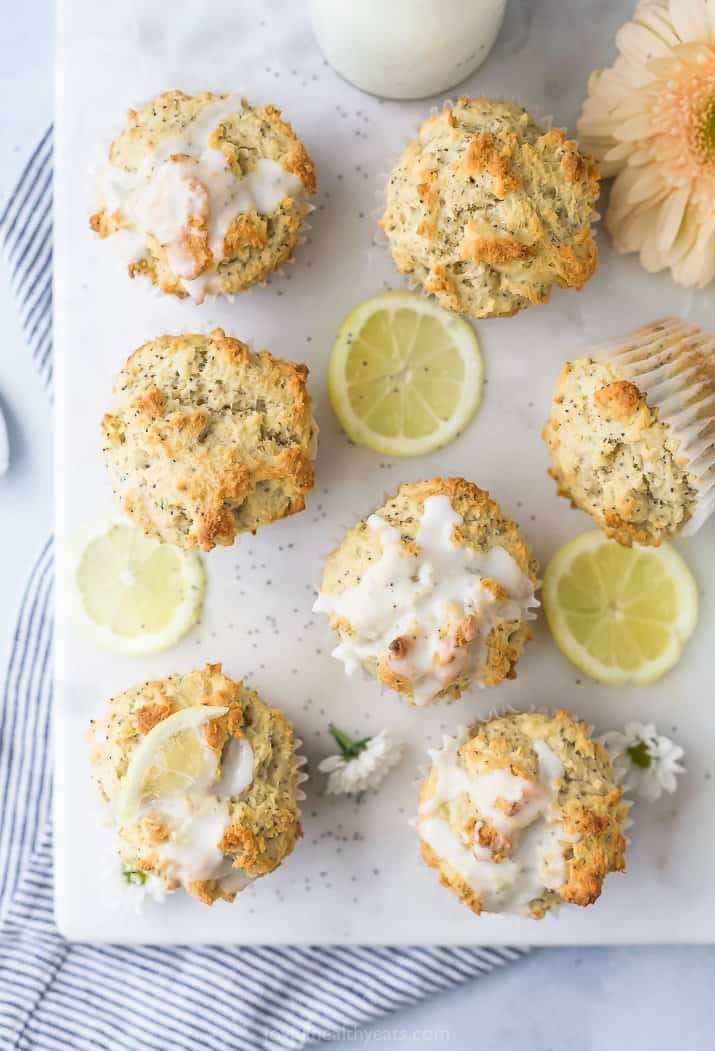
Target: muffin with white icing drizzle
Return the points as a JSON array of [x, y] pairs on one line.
[[521, 813], [204, 194], [432, 592], [201, 780]]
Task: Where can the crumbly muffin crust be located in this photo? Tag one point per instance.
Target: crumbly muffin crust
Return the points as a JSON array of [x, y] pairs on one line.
[[483, 527], [264, 818], [614, 458], [205, 439], [488, 210], [588, 803], [255, 242]]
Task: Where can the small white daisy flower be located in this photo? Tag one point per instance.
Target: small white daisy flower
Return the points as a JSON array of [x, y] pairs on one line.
[[645, 761], [362, 764]]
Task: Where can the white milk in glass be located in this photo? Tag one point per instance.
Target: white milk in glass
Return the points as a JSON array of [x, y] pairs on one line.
[[406, 49]]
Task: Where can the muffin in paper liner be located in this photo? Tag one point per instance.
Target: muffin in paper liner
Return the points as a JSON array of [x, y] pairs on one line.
[[516, 245], [673, 363], [522, 812], [234, 820], [203, 194], [632, 432]]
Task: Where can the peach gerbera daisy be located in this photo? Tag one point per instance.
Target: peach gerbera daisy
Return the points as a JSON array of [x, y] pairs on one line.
[[650, 119]]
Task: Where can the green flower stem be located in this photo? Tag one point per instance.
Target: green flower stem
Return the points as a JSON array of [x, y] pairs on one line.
[[350, 749]]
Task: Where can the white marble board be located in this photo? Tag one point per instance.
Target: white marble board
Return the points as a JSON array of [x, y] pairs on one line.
[[356, 876]]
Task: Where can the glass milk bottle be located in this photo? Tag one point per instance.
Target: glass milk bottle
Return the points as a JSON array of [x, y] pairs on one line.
[[406, 49]]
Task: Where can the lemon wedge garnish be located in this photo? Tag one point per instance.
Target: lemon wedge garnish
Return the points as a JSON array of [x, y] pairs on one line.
[[620, 614], [167, 761], [136, 594], [405, 376]]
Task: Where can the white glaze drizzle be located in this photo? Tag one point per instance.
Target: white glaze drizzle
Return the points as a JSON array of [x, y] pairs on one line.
[[423, 598], [182, 183], [196, 820], [533, 858]]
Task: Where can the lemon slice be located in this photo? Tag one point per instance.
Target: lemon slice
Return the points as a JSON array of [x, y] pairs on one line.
[[622, 615], [134, 593], [169, 759], [405, 376]]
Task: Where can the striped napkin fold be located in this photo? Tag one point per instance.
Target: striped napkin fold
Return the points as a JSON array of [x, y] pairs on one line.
[[65, 996]]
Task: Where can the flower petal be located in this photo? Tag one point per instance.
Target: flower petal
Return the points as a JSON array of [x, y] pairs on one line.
[[647, 186], [697, 267], [634, 128], [690, 19], [657, 18], [639, 44], [670, 217]]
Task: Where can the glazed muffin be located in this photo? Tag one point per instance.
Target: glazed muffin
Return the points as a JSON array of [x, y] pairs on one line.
[[522, 812], [488, 210], [632, 432], [205, 439], [432, 592], [204, 194], [201, 780]]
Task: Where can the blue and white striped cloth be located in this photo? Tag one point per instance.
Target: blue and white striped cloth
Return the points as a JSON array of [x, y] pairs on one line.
[[70, 997]]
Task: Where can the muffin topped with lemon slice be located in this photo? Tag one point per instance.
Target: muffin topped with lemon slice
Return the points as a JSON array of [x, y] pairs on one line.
[[202, 781], [489, 211], [206, 439], [432, 592], [521, 813], [204, 194]]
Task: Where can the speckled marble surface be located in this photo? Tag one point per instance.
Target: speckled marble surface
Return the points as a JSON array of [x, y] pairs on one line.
[[643, 999], [347, 880]]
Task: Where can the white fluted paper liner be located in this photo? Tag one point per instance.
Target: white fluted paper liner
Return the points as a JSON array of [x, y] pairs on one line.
[[672, 362], [302, 775]]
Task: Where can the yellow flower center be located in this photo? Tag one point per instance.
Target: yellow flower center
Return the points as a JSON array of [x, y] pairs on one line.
[[707, 131]]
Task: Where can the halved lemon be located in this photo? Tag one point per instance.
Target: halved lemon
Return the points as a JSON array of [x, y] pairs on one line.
[[622, 615], [167, 761], [134, 593], [405, 376]]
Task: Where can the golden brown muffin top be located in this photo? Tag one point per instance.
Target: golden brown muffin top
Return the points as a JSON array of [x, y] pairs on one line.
[[488, 210], [205, 439]]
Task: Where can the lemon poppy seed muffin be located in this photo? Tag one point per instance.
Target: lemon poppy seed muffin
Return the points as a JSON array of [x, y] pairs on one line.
[[432, 592], [632, 432], [204, 194], [521, 813], [205, 439], [488, 210], [201, 780]]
